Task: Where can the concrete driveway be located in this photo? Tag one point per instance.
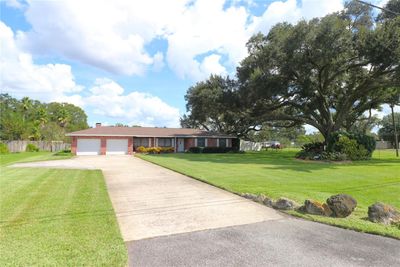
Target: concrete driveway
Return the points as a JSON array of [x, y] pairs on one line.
[[152, 201], [168, 219]]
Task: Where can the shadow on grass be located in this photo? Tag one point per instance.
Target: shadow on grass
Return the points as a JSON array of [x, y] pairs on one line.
[[278, 160]]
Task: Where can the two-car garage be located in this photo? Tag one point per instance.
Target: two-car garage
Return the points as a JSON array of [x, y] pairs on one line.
[[93, 146]]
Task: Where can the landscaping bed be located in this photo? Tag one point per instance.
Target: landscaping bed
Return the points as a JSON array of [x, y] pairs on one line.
[[278, 174]]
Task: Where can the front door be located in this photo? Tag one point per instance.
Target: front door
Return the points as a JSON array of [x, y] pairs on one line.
[[181, 144]]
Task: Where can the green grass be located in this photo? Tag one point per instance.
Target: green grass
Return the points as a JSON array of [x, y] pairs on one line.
[[6, 159], [277, 174], [53, 217]]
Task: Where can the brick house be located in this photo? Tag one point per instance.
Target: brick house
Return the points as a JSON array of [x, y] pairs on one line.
[[109, 140]]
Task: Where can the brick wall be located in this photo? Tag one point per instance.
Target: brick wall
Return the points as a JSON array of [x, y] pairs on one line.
[[189, 142], [212, 142]]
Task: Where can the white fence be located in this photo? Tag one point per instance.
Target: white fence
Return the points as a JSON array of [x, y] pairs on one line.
[[20, 145], [250, 146], [383, 145]]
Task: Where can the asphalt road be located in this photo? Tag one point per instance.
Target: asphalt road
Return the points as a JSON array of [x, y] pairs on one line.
[[286, 242]]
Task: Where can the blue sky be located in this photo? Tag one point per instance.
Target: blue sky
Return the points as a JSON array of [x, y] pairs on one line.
[[132, 61]]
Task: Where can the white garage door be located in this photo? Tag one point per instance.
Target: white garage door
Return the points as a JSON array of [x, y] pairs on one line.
[[117, 147], [88, 147]]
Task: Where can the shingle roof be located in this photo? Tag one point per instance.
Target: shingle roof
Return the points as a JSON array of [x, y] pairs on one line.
[[146, 132]]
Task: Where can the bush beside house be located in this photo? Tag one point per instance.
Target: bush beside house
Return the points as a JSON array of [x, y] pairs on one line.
[[155, 150], [197, 149]]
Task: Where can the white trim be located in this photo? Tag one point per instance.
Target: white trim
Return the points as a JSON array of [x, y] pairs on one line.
[[227, 143], [217, 142], [205, 142], [195, 141]]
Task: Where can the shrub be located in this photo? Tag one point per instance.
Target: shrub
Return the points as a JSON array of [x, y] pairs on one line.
[[368, 142], [315, 147], [3, 148], [167, 150], [216, 149], [141, 149], [351, 148], [195, 149], [212, 149], [31, 148], [154, 150]]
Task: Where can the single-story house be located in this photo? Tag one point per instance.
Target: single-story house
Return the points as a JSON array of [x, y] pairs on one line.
[[112, 140]]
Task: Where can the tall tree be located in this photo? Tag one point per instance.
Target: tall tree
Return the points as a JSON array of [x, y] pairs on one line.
[[30, 119], [386, 130], [326, 72]]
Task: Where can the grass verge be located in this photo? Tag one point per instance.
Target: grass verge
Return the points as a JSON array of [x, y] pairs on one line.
[[53, 217], [278, 174]]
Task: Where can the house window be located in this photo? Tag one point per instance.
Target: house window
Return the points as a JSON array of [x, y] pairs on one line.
[[164, 142], [222, 142], [201, 142], [141, 142]]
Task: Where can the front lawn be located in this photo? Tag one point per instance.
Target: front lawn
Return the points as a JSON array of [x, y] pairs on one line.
[[10, 158], [53, 217], [278, 174]]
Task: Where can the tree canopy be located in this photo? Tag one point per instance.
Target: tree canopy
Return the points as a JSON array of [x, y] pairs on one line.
[[28, 119], [327, 72]]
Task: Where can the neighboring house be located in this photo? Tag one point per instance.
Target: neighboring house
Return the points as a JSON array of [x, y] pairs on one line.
[[109, 140]]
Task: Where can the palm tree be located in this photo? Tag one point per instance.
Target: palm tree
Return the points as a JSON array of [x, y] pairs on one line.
[[26, 105], [63, 117], [42, 116]]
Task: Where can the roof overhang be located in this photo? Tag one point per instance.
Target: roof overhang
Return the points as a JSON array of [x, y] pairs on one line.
[[159, 136]]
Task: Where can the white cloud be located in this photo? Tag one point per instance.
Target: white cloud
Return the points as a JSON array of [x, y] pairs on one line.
[[113, 35], [14, 4], [109, 101], [290, 11], [110, 35], [20, 76], [385, 110]]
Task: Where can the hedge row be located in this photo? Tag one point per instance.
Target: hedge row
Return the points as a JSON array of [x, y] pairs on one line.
[[155, 150], [197, 149]]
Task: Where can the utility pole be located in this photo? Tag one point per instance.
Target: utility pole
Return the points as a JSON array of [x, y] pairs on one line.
[[378, 7], [396, 140]]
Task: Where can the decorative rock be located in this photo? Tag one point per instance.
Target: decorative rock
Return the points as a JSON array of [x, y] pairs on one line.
[[249, 196], [342, 205], [268, 202], [383, 213], [260, 198], [284, 204], [316, 208]]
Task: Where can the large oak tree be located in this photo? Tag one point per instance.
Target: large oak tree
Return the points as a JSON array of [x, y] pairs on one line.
[[327, 72]]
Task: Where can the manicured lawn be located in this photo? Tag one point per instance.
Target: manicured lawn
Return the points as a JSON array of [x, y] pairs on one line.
[[53, 217], [278, 174], [11, 158]]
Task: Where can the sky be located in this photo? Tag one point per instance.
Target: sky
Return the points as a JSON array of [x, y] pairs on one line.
[[132, 62]]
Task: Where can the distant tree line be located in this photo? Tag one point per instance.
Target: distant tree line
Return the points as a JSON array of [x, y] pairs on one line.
[[28, 119]]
